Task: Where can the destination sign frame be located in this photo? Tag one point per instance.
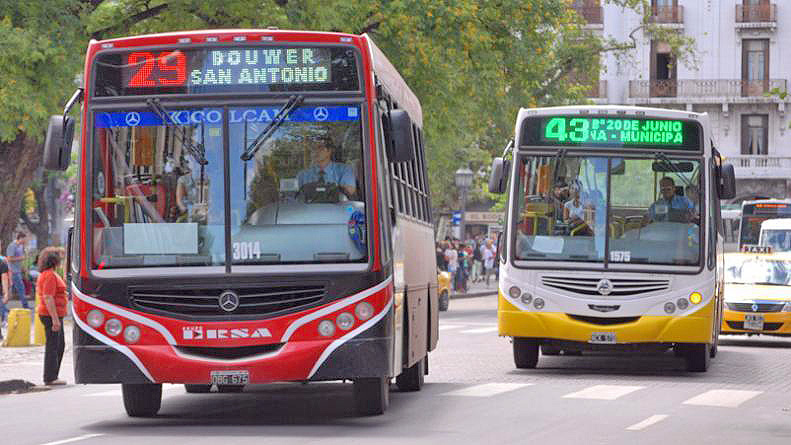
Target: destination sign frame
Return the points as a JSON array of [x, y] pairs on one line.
[[227, 69], [607, 131]]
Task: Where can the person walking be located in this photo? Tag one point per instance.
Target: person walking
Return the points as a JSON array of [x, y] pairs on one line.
[[5, 281], [488, 259], [452, 258], [51, 310], [15, 254]]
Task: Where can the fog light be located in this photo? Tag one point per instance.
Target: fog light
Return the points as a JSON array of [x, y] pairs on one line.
[[132, 334], [670, 307], [95, 318], [345, 321], [682, 304], [514, 292], [326, 328], [527, 298], [364, 310], [113, 327], [538, 303], [695, 297]]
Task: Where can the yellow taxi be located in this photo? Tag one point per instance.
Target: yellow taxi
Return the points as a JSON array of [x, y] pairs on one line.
[[757, 294], [443, 289]]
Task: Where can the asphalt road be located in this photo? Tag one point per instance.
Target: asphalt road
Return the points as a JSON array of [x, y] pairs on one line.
[[472, 395]]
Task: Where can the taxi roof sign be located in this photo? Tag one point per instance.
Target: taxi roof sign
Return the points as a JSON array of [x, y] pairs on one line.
[[751, 248]]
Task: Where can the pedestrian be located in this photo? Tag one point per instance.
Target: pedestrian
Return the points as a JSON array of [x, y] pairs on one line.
[[452, 258], [488, 259], [51, 310], [442, 264], [5, 281], [477, 260], [15, 254]]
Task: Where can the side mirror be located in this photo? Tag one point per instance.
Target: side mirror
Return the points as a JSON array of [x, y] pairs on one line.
[[498, 175], [57, 145], [727, 185], [402, 142]]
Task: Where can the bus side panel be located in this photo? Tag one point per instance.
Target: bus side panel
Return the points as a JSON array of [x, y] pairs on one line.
[[419, 276]]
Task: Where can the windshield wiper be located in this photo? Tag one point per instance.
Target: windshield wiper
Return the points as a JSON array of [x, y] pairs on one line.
[[281, 116], [659, 156], [197, 152]]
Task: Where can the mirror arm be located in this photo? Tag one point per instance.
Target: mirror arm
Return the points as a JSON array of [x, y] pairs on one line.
[[77, 96]]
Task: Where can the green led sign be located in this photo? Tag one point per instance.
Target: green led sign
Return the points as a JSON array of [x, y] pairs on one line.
[[605, 131]]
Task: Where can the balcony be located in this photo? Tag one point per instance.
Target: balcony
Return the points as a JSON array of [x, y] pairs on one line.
[[706, 90], [756, 16], [667, 14], [760, 166], [594, 15]]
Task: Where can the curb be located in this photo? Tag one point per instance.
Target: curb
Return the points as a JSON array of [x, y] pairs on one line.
[[16, 385], [485, 293]]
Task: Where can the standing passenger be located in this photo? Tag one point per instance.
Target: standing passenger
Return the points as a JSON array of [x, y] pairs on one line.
[[51, 310]]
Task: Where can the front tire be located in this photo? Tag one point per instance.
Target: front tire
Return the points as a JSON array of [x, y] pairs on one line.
[[444, 301], [525, 353], [142, 399], [197, 389], [411, 379], [698, 356], [371, 395]]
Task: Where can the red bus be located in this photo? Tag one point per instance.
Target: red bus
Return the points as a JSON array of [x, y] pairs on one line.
[[246, 202]]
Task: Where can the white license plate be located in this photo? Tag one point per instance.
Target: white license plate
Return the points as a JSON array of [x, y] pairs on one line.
[[607, 338], [754, 322], [230, 377]]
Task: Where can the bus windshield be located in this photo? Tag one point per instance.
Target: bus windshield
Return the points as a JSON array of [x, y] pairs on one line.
[[647, 210], [161, 198], [754, 213]]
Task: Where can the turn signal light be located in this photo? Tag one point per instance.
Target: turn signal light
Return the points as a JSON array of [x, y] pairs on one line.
[[695, 297]]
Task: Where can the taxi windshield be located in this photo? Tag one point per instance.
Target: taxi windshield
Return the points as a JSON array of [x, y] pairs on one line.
[[757, 270]]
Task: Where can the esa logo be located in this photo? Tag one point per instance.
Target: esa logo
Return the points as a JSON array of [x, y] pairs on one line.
[[198, 333]]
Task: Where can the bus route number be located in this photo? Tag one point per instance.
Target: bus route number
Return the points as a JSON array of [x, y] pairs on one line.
[[246, 250]]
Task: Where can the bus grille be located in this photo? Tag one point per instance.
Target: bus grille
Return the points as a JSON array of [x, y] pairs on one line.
[[620, 286], [762, 307], [739, 325], [603, 321], [205, 302]]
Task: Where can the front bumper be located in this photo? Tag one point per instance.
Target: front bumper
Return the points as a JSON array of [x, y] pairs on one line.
[[694, 328], [775, 323]]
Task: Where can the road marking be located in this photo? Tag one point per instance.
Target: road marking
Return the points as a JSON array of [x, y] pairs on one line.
[[73, 439], [647, 422], [479, 330], [487, 389], [726, 398], [118, 393], [603, 392]]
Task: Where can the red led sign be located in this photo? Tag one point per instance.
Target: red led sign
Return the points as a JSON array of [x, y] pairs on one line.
[[167, 68]]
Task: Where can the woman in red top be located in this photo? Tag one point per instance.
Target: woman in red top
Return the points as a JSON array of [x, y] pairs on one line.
[[51, 310]]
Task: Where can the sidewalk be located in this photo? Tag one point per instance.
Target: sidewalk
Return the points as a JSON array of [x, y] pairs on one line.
[[477, 290]]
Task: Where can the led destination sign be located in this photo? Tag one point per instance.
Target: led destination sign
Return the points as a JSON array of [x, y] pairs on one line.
[[611, 132]]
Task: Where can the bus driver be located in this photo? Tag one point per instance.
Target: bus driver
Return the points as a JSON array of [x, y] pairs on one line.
[[324, 170], [670, 207]]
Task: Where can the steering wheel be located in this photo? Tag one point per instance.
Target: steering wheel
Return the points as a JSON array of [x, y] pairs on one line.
[[320, 192]]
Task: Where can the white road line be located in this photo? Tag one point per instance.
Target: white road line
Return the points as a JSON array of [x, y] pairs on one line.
[[73, 439], [446, 327], [726, 398], [117, 392], [487, 389], [647, 422], [479, 330], [603, 392]]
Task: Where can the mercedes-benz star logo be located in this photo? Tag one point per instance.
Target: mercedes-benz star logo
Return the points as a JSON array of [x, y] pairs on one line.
[[604, 286], [755, 307], [229, 301], [132, 119], [321, 114]]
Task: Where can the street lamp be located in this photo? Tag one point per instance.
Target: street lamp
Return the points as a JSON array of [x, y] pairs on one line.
[[463, 178]]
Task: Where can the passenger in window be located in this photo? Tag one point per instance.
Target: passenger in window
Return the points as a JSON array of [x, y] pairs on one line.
[[326, 171], [574, 214], [560, 194], [188, 196], [670, 207]]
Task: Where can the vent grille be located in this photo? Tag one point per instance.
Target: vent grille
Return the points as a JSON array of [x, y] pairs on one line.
[[229, 353], [603, 321], [205, 302], [762, 307], [621, 287], [739, 325]]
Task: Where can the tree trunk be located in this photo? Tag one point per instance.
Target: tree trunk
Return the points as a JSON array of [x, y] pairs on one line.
[[19, 159]]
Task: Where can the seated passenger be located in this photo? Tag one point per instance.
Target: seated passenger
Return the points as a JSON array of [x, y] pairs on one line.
[[324, 171], [670, 207], [574, 211]]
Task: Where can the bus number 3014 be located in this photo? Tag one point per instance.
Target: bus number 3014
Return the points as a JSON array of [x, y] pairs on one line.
[[247, 250]]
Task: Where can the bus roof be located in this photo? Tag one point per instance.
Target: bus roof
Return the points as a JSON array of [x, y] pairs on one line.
[[228, 36], [611, 109], [394, 83], [776, 224]]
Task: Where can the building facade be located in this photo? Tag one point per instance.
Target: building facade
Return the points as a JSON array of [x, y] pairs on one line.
[[744, 53]]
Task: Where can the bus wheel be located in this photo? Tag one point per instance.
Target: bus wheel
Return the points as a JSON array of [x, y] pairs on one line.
[[550, 350], [525, 352], [371, 395], [230, 388], [142, 399], [197, 389], [444, 301], [698, 356], [411, 379]]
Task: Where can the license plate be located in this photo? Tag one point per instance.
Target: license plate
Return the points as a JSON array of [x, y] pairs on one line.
[[607, 338], [230, 377], [754, 322]]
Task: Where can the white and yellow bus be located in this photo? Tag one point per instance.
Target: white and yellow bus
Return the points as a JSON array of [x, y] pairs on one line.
[[614, 237]]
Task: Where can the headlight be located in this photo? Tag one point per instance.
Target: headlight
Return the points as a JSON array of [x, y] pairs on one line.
[[113, 327], [95, 318], [682, 304], [345, 321], [786, 307], [364, 310], [538, 303], [670, 307], [326, 328], [695, 297], [527, 298], [514, 292], [132, 334]]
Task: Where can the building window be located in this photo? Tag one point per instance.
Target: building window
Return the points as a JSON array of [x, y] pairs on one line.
[[755, 134], [755, 67], [663, 70], [666, 11], [756, 11]]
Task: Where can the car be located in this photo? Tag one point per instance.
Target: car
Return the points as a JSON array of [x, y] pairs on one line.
[[443, 289], [757, 294]]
